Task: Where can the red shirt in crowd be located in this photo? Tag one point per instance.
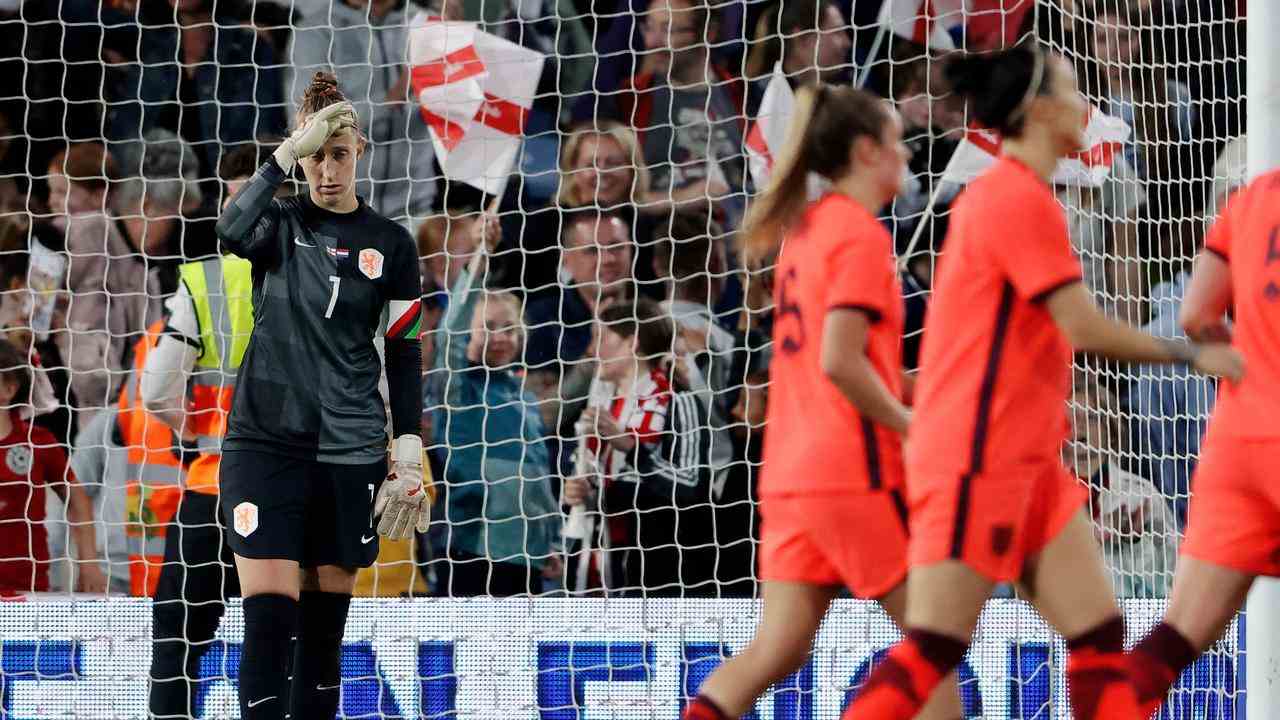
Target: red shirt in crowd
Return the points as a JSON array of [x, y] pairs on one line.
[[30, 461]]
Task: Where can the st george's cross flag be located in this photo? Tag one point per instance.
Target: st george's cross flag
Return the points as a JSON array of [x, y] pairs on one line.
[[475, 91], [950, 24], [1104, 138]]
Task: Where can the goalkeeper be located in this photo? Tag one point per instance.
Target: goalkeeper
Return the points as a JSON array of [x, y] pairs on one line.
[[305, 451]]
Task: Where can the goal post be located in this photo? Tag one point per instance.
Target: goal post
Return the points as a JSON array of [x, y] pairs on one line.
[[1262, 613]]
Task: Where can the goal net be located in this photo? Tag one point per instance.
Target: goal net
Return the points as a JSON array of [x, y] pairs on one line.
[[574, 175]]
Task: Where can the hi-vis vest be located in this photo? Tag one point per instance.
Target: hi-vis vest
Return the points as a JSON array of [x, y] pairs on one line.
[[222, 291], [154, 483]]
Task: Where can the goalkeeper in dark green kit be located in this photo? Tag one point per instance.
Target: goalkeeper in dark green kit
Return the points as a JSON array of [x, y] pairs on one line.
[[304, 463]]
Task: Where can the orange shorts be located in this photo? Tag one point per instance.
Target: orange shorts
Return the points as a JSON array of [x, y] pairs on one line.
[[1234, 520], [858, 540], [993, 521]]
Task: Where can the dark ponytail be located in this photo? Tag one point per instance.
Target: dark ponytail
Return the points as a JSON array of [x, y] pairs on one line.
[[824, 125], [998, 86]]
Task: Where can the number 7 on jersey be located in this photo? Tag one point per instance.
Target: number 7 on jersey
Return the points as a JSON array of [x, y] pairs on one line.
[[333, 297]]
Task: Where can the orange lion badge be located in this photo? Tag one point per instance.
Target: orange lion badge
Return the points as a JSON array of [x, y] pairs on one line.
[[371, 263]]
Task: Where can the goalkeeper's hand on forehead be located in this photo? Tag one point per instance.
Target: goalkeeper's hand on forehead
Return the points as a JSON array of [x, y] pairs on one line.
[[314, 133]]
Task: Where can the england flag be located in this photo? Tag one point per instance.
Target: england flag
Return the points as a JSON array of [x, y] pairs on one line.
[[948, 24], [475, 91], [1104, 138]]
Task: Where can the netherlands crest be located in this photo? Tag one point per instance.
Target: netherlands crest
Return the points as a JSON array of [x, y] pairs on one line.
[[371, 263]]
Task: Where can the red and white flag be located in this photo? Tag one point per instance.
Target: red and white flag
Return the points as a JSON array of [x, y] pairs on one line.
[[768, 133], [984, 24], [1104, 138], [475, 91]]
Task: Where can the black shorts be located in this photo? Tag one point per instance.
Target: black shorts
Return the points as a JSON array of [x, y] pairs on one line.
[[277, 507]]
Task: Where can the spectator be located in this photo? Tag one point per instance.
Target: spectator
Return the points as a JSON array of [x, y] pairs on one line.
[[98, 461], [157, 207], [502, 520], [201, 75], [737, 522], [1136, 88], [688, 111], [810, 38], [1170, 405], [240, 164], [365, 43], [1134, 83], [50, 382], [601, 165], [33, 463], [105, 289], [649, 478], [597, 258], [690, 260], [1134, 527]]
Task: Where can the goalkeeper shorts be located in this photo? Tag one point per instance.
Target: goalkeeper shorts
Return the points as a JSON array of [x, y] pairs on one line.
[[993, 521], [277, 507], [857, 539], [1234, 519]]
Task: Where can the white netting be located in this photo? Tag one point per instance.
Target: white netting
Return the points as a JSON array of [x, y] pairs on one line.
[[623, 168]]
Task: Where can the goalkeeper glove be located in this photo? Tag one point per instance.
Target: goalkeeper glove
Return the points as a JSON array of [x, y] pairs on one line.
[[404, 504], [314, 133]]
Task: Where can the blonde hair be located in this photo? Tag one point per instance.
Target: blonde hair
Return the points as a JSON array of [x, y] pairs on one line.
[[824, 125], [619, 133]]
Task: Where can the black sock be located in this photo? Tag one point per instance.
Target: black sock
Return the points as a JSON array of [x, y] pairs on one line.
[[322, 617], [269, 622]]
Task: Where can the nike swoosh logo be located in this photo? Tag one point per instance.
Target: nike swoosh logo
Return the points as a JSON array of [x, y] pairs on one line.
[[328, 687], [298, 241], [256, 703], [366, 540]]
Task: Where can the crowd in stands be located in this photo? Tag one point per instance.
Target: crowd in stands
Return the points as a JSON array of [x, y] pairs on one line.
[[593, 338]]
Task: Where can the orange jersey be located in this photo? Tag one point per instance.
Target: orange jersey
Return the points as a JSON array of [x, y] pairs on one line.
[[838, 257], [1247, 236], [995, 371]]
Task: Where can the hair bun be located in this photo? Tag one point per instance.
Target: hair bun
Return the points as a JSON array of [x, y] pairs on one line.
[[322, 84], [993, 83]]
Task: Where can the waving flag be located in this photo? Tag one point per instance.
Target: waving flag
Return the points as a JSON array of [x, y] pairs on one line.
[[475, 91], [1104, 138], [768, 133], [948, 24]]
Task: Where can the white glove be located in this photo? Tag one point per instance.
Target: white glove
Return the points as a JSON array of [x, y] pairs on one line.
[[403, 503], [314, 133]]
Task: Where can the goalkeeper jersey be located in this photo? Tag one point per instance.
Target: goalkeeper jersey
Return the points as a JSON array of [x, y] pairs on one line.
[[324, 285]]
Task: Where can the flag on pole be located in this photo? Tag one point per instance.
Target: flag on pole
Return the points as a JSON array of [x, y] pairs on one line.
[[475, 91], [768, 133], [948, 24], [1104, 138]]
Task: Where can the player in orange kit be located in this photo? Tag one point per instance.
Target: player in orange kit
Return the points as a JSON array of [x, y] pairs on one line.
[[990, 500], [1233, 526], [831, 478]]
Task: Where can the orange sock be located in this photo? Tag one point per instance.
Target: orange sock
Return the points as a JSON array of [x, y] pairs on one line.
[[1098, 679], [1155, 665], [899, 686]]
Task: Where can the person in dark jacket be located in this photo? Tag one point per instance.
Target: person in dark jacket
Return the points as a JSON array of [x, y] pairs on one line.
[[648, 468], [201, 75]]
